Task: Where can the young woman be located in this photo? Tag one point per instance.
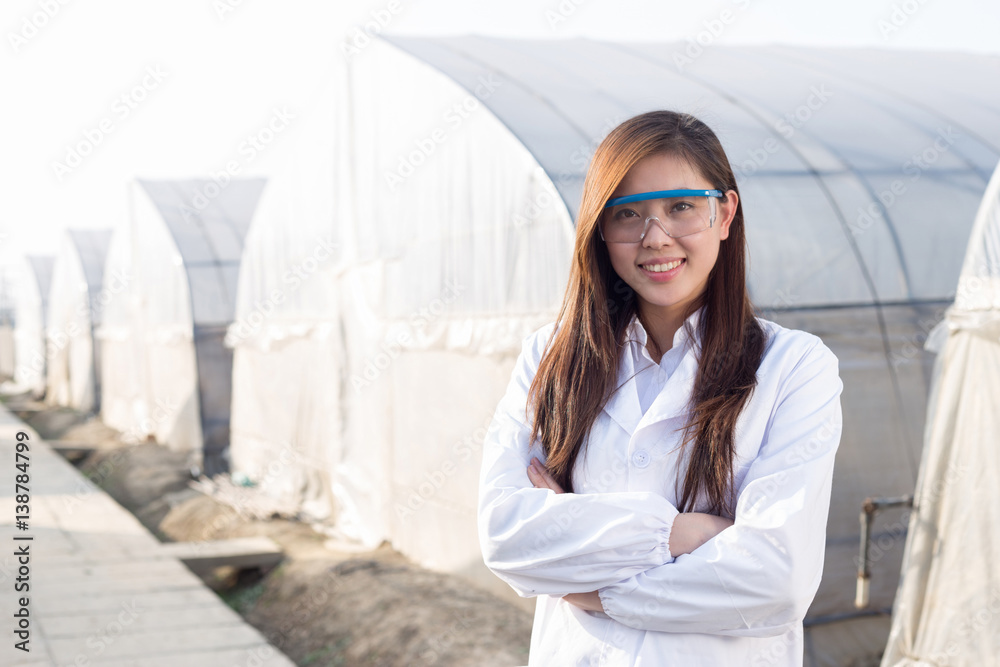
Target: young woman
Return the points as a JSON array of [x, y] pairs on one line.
[[658, 472]]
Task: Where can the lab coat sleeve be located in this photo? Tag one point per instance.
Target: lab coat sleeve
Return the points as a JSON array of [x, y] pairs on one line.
[[760, 575], [543, 543]]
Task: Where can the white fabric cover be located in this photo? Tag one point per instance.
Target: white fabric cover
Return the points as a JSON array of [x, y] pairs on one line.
[[408, 313], [166, 372], [6, 350], [947, 610], [75, 307], [286, 339], [31, 312], [8, 308]]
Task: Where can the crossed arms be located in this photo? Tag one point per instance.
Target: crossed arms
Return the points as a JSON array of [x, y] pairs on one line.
[[635, 557]]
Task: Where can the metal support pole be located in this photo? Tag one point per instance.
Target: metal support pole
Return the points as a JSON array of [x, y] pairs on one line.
[[868, 510]]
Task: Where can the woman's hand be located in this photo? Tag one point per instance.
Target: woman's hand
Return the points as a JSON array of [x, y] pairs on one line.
[[689, 531], [587, 601], [541, 478], [693, 529]]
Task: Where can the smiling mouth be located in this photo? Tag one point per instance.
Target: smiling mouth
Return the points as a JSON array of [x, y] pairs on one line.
[[662, 268]]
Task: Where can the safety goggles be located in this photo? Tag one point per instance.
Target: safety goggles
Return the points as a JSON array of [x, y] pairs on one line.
[[677, 212]]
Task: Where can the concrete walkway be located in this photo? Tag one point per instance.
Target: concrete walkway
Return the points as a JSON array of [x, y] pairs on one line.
[[102, 593]]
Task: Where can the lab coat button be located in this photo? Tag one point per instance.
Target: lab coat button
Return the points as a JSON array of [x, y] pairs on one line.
[[641, 458]]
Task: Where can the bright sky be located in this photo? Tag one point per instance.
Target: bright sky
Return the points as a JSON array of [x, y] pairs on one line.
[[206, 74]]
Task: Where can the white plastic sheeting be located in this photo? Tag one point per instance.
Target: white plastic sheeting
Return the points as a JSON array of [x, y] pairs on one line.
[[286, 339], [6, 350], [947, 610], [857, 173], [369, 313], [75, 309], [165, 370], [7, 312], [31, 312]]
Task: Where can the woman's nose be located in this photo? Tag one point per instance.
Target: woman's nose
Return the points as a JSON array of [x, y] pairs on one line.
[[656, 235]]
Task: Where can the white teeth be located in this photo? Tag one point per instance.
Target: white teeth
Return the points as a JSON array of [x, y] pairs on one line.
[[659, 268]]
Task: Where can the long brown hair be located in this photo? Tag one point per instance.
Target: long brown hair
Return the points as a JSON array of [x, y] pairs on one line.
[[577, 374]]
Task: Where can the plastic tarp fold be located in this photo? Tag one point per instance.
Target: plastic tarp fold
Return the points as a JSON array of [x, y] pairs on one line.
[[947, 608]]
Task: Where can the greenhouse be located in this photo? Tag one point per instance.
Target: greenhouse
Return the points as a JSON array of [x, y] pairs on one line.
[[75, 305], [30, 319], [944, 594], [7, 348], [374, 376], [165, 373]]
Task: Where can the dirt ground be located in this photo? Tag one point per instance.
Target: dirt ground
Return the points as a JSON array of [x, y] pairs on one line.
[[320, 607]]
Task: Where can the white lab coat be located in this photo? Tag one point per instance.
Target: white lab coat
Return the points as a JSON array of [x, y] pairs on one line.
[[740, 598]]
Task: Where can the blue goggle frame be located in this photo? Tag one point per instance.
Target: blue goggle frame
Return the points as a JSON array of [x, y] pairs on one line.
[[660, 194]]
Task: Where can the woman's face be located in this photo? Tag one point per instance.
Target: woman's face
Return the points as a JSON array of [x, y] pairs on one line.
[[668, 293]]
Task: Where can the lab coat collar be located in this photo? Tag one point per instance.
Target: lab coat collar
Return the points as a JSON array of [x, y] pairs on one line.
[[623, 406], [637, 333]]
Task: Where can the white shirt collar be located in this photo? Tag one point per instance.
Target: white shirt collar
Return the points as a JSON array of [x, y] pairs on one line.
[[637, 333]]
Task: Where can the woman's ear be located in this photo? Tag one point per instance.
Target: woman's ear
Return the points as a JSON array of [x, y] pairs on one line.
[[727, 211]]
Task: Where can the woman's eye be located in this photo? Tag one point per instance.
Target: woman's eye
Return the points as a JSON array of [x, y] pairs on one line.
[[625, 213]]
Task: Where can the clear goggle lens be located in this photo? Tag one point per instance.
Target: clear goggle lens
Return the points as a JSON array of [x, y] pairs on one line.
[[677, 212]]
